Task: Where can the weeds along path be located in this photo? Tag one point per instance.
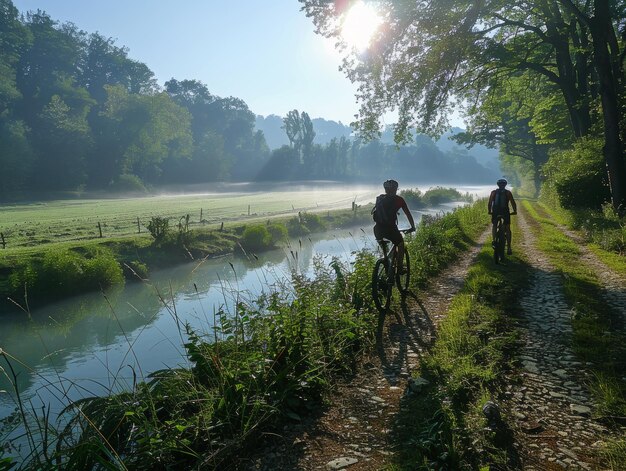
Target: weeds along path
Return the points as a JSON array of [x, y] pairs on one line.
[[551, 407], [613, 284], [353, 432]]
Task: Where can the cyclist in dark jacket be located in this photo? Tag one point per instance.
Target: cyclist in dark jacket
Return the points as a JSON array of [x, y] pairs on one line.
[[498, 204], [389, 229]]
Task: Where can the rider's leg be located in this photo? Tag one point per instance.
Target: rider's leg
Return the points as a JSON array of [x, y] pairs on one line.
[[494, 228]]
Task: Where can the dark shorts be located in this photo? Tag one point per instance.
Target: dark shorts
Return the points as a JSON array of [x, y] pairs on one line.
[[506, 216], [388, 232]]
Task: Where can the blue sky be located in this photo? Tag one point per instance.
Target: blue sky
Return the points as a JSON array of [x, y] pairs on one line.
[[263, 51]]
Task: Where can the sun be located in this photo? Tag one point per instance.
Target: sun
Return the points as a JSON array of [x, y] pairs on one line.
[[360, 23]]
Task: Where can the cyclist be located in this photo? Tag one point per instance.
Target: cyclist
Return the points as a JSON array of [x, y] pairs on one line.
[[386, 217], [498, 204]]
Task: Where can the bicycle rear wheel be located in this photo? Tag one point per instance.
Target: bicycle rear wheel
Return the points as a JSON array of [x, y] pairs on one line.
[[403, 280], [381, 291], [498, 251]]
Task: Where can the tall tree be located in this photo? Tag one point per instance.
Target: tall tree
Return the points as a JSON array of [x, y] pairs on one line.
[[431, 53]]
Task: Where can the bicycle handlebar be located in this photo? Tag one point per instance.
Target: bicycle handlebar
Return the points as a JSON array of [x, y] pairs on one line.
[[407, 231]]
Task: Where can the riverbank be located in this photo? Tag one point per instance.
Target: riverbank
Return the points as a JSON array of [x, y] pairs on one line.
[[30, 278]]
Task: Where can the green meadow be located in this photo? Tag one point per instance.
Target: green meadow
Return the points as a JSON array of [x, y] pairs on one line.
[[48, 222]]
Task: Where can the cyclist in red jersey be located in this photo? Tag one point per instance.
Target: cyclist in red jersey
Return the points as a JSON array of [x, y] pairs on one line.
[[389, 229]]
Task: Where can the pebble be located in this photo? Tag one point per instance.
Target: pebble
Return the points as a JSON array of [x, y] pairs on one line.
[[341, 463]]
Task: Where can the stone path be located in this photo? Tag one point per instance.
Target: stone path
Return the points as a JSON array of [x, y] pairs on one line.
[[551, 407]]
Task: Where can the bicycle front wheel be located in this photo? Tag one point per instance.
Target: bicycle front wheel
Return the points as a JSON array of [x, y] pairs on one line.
[[403, 280], [381, 291]]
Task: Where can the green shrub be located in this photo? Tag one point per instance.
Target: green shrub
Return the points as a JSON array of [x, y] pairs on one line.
[[413, 198], [313, 222], [158, 227], [256, 237], [64, 273], [129, 184], [577, 177], [440, 195], [278, 233]]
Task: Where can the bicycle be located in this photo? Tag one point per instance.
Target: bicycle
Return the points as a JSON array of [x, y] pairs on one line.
[[500, 240], [385, 275]]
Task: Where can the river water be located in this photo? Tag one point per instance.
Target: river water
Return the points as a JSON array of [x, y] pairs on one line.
[[94, 343]]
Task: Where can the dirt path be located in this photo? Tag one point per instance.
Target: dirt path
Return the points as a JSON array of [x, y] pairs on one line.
[[551, 407], [354, 430]]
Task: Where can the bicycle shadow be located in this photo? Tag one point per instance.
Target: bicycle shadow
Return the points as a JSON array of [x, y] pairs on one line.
[[402, 336]]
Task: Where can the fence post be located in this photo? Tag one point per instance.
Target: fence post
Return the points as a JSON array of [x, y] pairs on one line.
[[100, 229], [200, 214], [248, 210], [4, 244], [222, 227], [138, 226]]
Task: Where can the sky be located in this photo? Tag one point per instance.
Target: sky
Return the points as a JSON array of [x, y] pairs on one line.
[[262, 51]]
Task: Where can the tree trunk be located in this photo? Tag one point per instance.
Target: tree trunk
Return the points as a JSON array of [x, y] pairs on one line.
[[601, 29]]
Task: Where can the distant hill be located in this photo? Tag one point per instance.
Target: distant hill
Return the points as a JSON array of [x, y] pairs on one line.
[[326, 130], [276, 137], [486, 157]]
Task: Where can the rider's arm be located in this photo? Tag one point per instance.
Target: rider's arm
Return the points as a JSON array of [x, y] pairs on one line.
[[492, 197], [512, 201], [409, 216]]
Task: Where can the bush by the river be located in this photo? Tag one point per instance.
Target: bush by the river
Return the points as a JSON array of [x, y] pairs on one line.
[[433, 197], [64, 272]]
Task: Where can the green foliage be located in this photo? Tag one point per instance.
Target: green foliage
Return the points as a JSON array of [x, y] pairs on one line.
[[128, 184], [63, 273], [256, 237], [304, 224], [278, 232], [413, 197], [602, 227], [158, 227], [439, 195], [577, 177]]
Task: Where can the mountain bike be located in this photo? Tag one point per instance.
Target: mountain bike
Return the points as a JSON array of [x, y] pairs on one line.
[[500, 240], [386, 275]]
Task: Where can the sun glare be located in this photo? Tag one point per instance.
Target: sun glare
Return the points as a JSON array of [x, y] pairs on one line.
[[359, 25]]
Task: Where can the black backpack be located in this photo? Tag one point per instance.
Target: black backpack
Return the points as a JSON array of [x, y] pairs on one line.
[[384, 211], [500, 202]]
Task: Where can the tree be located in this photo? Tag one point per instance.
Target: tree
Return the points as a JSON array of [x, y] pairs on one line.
[[430, 54], [142, 131]]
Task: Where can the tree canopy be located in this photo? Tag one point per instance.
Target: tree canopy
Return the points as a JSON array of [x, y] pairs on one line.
[[429, 58]]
